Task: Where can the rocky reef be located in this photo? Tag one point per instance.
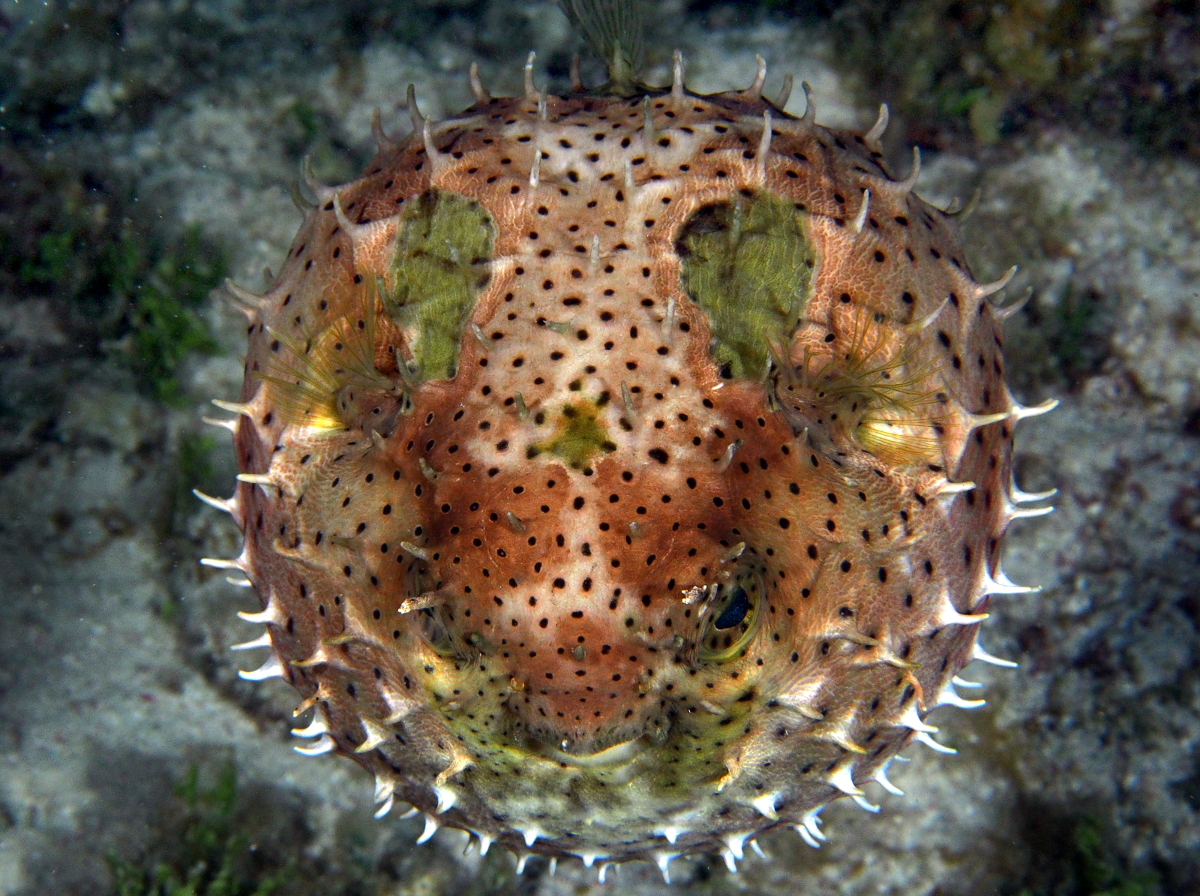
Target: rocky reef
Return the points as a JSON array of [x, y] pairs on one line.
[[147, 149]]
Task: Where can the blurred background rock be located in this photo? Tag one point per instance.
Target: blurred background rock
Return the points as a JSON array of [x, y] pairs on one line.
[[147, 150]]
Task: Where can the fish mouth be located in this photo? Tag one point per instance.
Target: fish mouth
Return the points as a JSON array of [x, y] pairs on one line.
[[616, 755]]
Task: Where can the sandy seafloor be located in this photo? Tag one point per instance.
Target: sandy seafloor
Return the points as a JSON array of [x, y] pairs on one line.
[[115, 675]]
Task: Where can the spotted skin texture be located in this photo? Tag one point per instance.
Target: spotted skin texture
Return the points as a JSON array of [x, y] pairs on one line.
[[626, 574]]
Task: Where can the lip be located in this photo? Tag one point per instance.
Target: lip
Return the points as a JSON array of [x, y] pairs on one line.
[[618, 754]]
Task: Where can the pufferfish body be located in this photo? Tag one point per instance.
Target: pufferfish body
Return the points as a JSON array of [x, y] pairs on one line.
[[624, 473]]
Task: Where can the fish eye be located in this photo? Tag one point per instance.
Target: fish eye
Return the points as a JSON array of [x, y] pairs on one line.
[[737, 606], [433, 631], [732, 620]]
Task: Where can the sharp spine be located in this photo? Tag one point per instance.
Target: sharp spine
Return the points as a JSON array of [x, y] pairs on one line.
[[736, 844], [315, 728], [263, 640], [764, 148], [218, 563], [1004, 312], [864, 804], [843, 780], [479, 336], [950, 697], [922, 323], [477, 88], [229, 506], [431, 827], [861, 218], [677, 86], [1025, 513], [272, 668], [256, 479], [810, 107], [1019, 497], [1020, 412], [785, 92], [810, 826], [627, 401], [978, 653], [244, 298], [647, 121], [663, 861], [928, 741], [983, 290], [418, 552], [234, 407], [414, 111], [765, 805], [231, 425], [910, 183], [302, 203], [271, 615], [320, 190], [374, 735], [880, 777], [1000, 584], [873, 138], [975, 421], [911, 719], [531, 92], [754, 91], [727, 457], [382, 140], [325, 744]]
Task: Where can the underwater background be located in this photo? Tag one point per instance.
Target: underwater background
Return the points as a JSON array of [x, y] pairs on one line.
[[147, 150]]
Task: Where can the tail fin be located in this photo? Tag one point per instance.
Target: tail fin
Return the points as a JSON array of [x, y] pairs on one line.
[[613, 29]]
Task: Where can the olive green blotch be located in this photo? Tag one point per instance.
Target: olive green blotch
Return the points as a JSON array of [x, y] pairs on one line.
[[748, 264], [443, 247], [579, 437]]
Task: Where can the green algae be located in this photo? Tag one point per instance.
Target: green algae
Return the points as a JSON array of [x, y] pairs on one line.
[[579, 438], [985, 69], [209, 856], [136, 300], [748, 264], [439, 267]]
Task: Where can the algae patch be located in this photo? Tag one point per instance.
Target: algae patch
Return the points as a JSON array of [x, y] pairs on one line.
[[209, 856], [579, 438], [440, 265], [748, 264]]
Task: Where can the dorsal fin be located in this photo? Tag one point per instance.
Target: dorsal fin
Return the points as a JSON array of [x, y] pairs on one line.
[[613, 29]]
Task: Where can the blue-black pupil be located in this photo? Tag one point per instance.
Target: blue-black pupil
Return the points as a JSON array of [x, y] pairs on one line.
[[735, 611]]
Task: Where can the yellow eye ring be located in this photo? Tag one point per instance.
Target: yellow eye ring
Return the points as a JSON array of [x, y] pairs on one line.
[[732, 619]]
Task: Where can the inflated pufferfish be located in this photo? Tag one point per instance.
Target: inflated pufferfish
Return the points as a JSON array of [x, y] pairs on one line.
[[624, 472]]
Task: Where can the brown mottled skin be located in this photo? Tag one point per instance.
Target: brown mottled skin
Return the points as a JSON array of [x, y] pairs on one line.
[[560, 609]]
